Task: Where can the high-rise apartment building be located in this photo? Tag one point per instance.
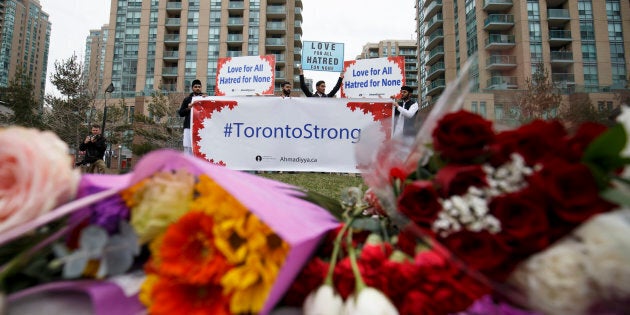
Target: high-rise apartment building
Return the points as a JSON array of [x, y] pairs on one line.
[[95, 48], [166, 44], [24, 42], [389, 48], [583, 44]]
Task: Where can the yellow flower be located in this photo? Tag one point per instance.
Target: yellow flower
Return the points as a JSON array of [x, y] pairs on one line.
[[146, 290], [160, 201], [214, 200], [249, 285]]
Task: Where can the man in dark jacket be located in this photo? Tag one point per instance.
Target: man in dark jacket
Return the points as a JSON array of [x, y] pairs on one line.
[[184, 111], [320, 87], [94, 146]]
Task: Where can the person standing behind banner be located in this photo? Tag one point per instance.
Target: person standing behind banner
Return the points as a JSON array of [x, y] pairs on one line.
[[286, 89], [184, 111], [320, 87], [407, 109]]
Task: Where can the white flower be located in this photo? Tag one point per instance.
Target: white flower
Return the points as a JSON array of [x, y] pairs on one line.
[[323, 301], [555, 281], [607, 247], [624, 119], [369, 302]]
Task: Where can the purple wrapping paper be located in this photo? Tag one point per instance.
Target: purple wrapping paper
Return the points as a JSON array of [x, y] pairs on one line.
[[299, 223]]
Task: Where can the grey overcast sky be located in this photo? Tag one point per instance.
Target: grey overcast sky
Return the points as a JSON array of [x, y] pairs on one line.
[[352, 22]]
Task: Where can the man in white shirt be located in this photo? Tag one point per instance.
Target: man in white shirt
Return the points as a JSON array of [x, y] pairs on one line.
[[407, 109]]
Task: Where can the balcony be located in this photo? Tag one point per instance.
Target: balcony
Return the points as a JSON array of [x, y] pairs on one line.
[[298, 12], [234, 53], [172, 23], [411, 68], [555, 3], [563, 79], [428, 2], [558, 17], [170, 55], [236, 6], [171, 39], [559, 37], [435, 71], [435, 55], [502, 83], [271, 42], [500, 42], [276, 27], [435, 23], [501, 62], [235, 23], [435, 39], [276, 11], [499, 22], [561, 57], [234, 39], [173, 7], [497, 5], [280, 75], [432, 9], [169, 72], [436, 87]]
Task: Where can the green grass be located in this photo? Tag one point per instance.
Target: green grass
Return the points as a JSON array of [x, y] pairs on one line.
[[327, 184]]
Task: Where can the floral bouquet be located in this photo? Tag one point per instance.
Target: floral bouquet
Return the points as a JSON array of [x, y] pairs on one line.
[[179, 235], [472, 220]]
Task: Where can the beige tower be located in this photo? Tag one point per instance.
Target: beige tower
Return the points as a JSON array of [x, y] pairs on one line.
[[165, 44], [24, 41], [582, 43]]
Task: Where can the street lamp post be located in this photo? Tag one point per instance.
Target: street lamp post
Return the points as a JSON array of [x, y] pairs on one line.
[[109, 89], [119, 157]]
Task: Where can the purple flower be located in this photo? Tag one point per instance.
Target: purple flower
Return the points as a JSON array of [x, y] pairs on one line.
[[487, 306], [106, 213]]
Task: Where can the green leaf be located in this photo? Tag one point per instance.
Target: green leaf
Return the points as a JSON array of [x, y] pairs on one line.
[[616, 196], [604, 152], [367, 224], [332, 205]]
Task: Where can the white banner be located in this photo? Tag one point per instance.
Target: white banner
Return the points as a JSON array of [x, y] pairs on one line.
[[248, 75], [373, 78], [291, 134]]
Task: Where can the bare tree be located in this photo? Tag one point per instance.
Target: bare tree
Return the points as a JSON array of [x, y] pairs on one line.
[[541, 99], [162, 128]]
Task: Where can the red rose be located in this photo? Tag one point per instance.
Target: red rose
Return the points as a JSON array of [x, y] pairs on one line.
[[586, 133], [309, 279], [401, 279], [371, 262], [420, 203], [536, 142], [462, 136], [524, 222], [456, 179], [478, 250], [417, 302], [572, 190]]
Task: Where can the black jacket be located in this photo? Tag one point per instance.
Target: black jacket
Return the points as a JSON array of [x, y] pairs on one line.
[[309, 94], [94, 150], [184, 111], [411, 125]]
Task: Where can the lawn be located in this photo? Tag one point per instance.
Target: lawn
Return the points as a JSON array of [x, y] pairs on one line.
[[327, 184]]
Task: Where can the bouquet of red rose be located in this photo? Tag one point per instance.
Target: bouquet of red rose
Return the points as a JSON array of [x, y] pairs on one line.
[[494, 203]]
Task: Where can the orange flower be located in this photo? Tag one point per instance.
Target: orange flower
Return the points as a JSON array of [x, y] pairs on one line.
[[188, 253], [171, 297]]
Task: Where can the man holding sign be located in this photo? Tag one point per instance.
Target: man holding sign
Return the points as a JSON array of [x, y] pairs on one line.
[[320, 87]]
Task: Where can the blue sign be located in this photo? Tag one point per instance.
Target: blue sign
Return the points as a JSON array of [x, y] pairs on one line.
[[322, 56]]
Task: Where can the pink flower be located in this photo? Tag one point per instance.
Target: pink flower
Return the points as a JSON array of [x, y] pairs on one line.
[[36, 175]]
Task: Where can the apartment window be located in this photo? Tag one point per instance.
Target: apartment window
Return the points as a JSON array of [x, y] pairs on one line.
[[585, 9], [253, 34], [473, 107], [533, 10], [614, 31], [133, 17], [589, 52], [191, 68], [213, 34], [590, 75], [131, 50], [153, 16], [192, 34], [482, 109], [252, 49], [534, 31], [191, 51], [193, 17], [212, 67], [601, 106], [498, 111], [215, 16]]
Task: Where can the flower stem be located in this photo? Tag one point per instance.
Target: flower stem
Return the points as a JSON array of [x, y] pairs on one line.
[[337, 245], [359, 283]]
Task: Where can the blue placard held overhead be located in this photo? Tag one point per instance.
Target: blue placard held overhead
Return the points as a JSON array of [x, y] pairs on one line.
[[322, 56]]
